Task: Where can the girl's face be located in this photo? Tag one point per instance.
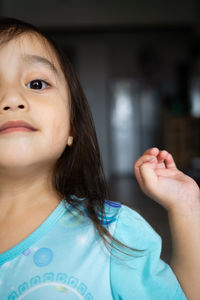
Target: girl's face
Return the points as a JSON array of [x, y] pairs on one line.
[[33, 89]]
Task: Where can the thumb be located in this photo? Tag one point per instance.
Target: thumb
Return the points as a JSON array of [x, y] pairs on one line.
[[148, 176]]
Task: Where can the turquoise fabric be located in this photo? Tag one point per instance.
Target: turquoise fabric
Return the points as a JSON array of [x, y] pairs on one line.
[[64, 258]]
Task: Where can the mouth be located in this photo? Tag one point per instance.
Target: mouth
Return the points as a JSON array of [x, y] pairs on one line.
[[19, 125], [16, 129]]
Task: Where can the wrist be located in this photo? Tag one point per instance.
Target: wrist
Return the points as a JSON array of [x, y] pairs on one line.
[[186, 208]]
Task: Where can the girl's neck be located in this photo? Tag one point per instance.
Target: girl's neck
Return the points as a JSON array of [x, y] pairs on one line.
[[20, 196]]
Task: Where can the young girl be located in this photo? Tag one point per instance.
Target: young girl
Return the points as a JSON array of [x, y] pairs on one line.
[[59, 236]]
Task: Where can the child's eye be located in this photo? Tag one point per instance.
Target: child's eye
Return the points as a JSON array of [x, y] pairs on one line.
[[38, 84]]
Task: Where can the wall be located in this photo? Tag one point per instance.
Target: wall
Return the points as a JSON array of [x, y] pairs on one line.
[[76, 13]]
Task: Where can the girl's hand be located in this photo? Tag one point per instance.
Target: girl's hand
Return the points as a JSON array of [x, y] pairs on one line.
[[160, 179]]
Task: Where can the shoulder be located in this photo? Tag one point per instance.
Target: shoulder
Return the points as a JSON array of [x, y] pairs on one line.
[[129, 226], [147, 276]]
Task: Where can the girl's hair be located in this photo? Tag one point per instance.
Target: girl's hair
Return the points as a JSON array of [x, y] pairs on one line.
[[78, 172]]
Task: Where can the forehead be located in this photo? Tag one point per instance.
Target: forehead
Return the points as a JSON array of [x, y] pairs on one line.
[[35, 44], [31, 47]]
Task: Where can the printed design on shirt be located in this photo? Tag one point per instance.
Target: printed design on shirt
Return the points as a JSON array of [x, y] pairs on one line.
[[43, 257], [26, 252], [52, 284], [62, 289], [112, 203], [111, 212]]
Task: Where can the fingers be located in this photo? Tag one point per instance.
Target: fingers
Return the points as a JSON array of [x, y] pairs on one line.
[[144, 159], [152, 151], [140, 164], [165, 157], [148, 176], [150, 167], [162, 156], [169, 162]]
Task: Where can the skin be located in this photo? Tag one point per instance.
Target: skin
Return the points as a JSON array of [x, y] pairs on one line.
[[156, 176], [27, 158], [159, 178]]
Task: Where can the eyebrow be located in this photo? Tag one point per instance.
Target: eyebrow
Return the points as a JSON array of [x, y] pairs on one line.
[[29, 58]]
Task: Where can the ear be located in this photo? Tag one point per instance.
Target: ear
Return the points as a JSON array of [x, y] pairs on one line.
[[70, 140]]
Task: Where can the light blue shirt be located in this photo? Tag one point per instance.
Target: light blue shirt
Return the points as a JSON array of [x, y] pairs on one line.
[[64, 258]]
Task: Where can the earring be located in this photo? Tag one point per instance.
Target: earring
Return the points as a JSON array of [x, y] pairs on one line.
[[70, 140]]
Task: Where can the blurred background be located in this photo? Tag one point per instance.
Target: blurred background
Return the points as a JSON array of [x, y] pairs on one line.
[[139, 65]]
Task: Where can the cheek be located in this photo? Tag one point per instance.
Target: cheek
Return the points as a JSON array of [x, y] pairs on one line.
[[58, 131]]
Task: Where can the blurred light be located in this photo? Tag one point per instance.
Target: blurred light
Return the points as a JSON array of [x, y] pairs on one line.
[[195, 97], [124, 125], [123, 109]]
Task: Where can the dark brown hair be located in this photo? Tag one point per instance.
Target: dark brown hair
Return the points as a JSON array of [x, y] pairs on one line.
[[78, 171]]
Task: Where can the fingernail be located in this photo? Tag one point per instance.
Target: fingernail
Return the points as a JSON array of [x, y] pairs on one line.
[[152, 159]]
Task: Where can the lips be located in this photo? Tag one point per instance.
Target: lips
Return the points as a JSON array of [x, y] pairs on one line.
[[14, 124]]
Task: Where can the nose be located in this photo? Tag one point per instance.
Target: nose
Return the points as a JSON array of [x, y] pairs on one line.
[[12, 100]]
